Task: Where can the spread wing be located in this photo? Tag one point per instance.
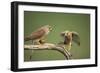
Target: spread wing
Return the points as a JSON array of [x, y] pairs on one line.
[[36, 35], [76, 38]]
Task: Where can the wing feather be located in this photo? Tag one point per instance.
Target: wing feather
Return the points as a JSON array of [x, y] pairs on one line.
[[76, 38], [38, 34]]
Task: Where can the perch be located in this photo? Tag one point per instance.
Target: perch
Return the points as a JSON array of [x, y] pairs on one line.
[[48, 46]]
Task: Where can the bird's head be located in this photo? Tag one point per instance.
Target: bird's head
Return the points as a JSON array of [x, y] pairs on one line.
[[74, 36], [65, 33], [49, 27]]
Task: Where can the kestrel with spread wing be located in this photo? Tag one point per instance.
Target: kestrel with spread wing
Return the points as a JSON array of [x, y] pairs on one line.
[[70, 37], [39, 35]]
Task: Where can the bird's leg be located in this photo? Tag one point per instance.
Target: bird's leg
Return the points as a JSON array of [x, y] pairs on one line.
[[37, 42], [32, 42]]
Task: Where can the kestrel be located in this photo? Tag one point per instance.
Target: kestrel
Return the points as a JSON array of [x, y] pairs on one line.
[[70, 37], [39, 35]]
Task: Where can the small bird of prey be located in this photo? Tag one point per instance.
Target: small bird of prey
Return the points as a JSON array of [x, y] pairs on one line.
[[39, 35], [69, 37]]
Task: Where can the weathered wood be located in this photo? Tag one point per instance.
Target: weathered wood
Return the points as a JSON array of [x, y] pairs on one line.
[[48, 46]]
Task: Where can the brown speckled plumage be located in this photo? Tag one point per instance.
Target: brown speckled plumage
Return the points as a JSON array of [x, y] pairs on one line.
[[39, 34]]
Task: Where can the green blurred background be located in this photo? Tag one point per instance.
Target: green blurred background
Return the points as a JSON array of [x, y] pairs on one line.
[[79, 23]]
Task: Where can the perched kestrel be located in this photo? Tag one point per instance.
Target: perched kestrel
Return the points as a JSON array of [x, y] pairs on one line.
[[39, 35], [70, 37]]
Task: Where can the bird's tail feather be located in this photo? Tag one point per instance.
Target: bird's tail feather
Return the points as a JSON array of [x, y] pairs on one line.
[[27, 38]]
